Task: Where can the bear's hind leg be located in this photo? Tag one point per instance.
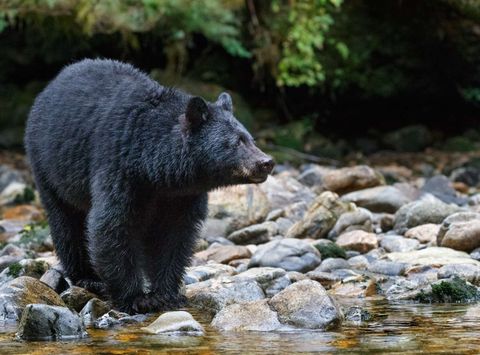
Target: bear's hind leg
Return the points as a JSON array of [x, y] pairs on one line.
[[67, 226]]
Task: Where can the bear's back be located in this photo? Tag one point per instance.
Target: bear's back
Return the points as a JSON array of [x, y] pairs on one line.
[[88, 105]]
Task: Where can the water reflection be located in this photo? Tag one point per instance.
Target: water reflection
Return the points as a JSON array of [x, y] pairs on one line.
[[400, 327]]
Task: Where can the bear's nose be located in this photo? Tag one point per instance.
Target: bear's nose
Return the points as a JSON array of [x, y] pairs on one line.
[[267, 165]]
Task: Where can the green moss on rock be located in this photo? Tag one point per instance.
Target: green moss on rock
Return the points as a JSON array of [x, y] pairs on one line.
[[331, 250], [455, 290]]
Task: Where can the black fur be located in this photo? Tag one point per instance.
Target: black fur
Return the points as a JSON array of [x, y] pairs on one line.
[[123, 167]]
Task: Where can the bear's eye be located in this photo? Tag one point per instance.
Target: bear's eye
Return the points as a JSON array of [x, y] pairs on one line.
[[241, 140]]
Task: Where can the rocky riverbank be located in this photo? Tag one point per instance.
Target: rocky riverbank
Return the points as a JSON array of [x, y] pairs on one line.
[[293, 253]]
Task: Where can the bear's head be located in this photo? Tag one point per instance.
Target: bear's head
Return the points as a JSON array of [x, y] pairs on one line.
[[223, 149]]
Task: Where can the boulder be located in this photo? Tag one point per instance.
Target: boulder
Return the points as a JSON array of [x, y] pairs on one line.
[[288, 254], [255, 234], [179, 322], [379, 199], [351, 179], [306, 304], [460, 231], [358, 240]]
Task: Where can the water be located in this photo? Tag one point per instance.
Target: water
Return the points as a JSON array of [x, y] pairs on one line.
[[395, 328]]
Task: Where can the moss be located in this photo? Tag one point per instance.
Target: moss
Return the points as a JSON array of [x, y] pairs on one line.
[[14, 270], [455, 290], [331, 250]]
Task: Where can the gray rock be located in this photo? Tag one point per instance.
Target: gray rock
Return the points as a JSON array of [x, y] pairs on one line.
[[425, 233], [306, 304], [358, 240], [213, 295], [331, 264], [288, 254], [283, 225], [114, 318], [93, 310], [283, 189], [441, 187], [275, 214], [396, 243], [429, 209], [25, 267], [15, 295], [313, 175], [358, 262], [250, 316], [255, 234], [326, 279], [389, 268], [357, 315], [76, 297], [53, 277], [467, 272], [5, 262], [295, 211], [44, 322], [9, 176], [359, 219], [271, 280], [224, 254], [12, 250], [460, 231], [321, 217], [204, 272], [475, 254], [240, 206], [379, 199], [433, 256], [179, 322]]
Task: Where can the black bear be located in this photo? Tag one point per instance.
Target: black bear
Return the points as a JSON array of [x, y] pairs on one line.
[[123, 166]]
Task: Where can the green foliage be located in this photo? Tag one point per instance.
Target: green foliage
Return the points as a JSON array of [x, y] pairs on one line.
[[14, 270], [450, 291], [331, 250], [409, 139], [27, 196]]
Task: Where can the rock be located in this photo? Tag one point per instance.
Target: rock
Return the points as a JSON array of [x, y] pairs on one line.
[[25, 267], [179, 322], [8, 176], [331, 264], [396, 243], [250, 316], [288, 254], [326, 279], [357, 315], [76, 297], [358, 287], [255, 234], [469, 175], [282, 190], [44, 322], [114, 318], [351, 179], [460, 231], [214, 227], [12, 250], [53, 277], [359, 219], [468, 272], [263, 275], [295, 211], [425, 233], [389, 268], [306, 304], [403, 289], [205, 272], [358, 262], [93, 310], [24, 212], [313, 175], [358, 240], [379, 199], [433, 256], [320, 217], [275, 214], [13, 192], [475, 254], [224, 254], [212, 295], [240, 205], [428, 209], [441, 187], [16, 294]]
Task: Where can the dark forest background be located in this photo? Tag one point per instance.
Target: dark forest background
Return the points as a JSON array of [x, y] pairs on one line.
[[323, 77]]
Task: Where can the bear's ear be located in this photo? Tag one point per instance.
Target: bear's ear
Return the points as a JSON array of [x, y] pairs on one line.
[[225, 101], [197, 112]]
